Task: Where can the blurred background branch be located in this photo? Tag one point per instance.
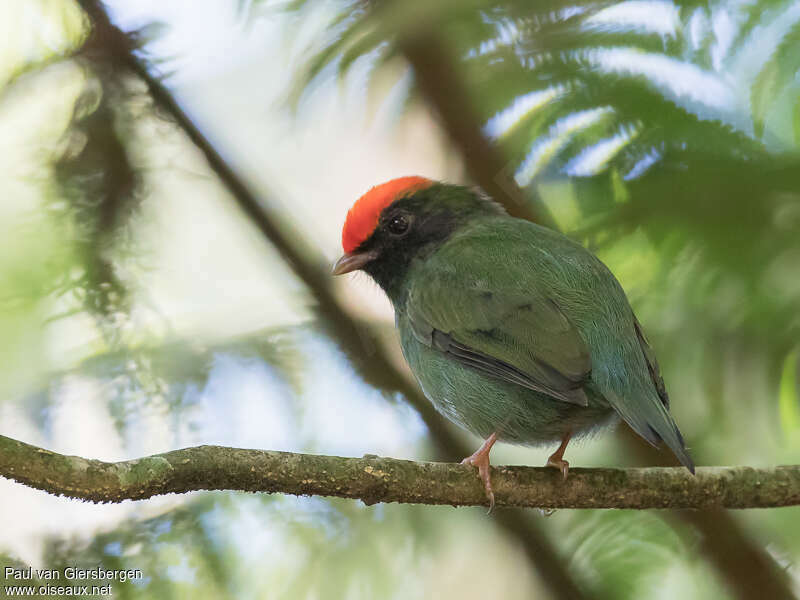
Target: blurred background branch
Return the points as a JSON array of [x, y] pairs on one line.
[[438, 78]]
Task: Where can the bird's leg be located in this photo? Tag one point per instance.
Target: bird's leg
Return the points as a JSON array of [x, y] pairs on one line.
[[557, 458], [480, 459]]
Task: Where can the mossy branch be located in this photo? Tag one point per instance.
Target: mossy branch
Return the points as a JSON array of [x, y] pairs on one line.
[[375, 479]]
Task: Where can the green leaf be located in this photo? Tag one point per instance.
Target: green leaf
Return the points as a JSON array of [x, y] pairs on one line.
[[776, 74], [755, 15], [796, 123]]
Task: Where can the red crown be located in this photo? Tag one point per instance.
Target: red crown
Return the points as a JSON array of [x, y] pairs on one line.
[[363, 217]]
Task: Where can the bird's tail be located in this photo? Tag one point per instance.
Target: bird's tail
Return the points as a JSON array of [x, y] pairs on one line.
[[672, 437], [654, 423]]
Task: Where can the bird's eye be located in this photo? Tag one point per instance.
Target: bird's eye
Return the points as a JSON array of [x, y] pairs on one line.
[[397, 225]]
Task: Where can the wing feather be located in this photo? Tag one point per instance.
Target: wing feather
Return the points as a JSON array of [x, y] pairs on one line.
[[518, 336]]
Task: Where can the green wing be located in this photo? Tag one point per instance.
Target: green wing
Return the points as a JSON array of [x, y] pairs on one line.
[[517, 335], [652, 364]]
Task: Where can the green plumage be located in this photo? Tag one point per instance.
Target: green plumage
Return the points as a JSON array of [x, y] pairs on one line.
[[513, 328]]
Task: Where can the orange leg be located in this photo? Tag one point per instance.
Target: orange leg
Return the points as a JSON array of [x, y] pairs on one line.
[[480, 459], [557, 458]]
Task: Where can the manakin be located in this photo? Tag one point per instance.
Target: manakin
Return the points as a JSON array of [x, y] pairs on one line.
[[514, 331]]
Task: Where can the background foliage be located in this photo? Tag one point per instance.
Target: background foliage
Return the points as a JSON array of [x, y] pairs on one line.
[[141, 311]]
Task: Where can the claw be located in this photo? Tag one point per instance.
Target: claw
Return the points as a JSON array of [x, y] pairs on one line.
[[556, 459], [480, 459], [559, 464]]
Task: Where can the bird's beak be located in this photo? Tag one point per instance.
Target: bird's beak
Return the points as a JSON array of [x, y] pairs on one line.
[[353, 261]]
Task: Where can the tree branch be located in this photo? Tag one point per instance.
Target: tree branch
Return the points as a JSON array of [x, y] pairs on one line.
[[375, 479]]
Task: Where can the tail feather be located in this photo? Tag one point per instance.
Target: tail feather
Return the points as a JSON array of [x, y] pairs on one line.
[[651, 420], [656, 418], [676, 443]]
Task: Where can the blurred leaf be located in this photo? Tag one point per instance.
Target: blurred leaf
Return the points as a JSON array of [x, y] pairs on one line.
[[777, 73], [796, 124], [613, 545], [789, 399], [98, 179], [28, 49]]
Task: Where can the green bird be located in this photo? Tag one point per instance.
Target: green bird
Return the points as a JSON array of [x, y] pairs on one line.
[[513, 331]]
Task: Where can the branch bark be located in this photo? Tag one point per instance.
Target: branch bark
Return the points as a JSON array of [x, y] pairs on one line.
[[374, 479]]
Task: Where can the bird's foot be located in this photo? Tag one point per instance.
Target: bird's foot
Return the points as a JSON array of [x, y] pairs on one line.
[[560, 464], [480, 459], [556, 459]]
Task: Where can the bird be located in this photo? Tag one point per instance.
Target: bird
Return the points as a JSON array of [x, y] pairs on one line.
[[513, 331]]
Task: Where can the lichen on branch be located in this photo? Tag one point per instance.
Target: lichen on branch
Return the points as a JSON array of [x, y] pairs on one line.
[[375, 479]]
